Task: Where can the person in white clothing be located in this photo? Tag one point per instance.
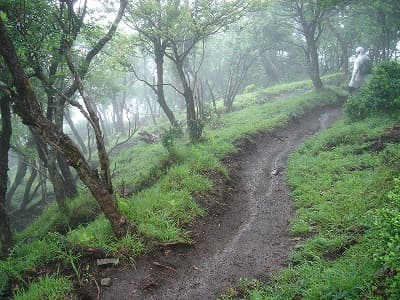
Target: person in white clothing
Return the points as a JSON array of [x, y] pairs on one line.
[[358, 76]]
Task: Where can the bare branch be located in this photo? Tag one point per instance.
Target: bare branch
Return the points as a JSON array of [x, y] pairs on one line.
[[100, 44], [67, 99], [34, 167], [131, 133], [152, 86]]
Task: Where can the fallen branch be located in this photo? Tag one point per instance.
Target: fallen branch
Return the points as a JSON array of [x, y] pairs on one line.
[[164, 266], [131, 133], [147, 137], [172, 244], [97, 286], [86, 251]]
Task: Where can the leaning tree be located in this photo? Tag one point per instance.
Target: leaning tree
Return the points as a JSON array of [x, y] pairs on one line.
[[27, 107]]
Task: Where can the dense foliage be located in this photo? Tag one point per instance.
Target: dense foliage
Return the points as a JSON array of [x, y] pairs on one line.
[[381, 94]]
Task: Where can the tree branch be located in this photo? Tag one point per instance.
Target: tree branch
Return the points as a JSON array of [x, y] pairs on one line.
[[152, 86], [97, 48]]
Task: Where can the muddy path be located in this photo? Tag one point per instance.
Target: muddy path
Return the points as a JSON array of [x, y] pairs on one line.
[[245, 233]]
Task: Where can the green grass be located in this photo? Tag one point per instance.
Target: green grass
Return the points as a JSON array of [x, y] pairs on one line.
[[338, 189], [163, 209], [136, 165], [26, 258], [80, 208], [262, 117], [254, 96], [46, 287]]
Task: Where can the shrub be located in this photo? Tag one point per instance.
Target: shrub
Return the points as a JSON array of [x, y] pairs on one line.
[[380, 95], [195, 128], [169, 138]]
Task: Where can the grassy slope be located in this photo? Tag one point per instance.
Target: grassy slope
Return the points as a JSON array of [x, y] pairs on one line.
[[161, 210], [340, 189]]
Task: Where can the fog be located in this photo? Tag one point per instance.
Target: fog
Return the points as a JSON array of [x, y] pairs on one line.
[[169, 64]]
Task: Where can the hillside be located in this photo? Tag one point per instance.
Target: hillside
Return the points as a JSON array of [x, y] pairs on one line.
[[218, 219], [164, 209], [245, 233]]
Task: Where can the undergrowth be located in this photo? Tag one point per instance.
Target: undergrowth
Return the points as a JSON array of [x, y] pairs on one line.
[[26, 259]]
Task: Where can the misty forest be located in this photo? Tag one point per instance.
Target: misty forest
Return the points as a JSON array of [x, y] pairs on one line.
[[220, 149]]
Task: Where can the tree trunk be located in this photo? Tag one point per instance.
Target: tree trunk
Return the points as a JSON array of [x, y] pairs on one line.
[[62, 182], [148, 100], [5, 136], [69, 182], [19, 176], [269, 68], [213, 98], [237, 74], [27, 194], [43, 163], [313, 61], [200, 100], [28, 108], [43, 183], [57, 182], [159, 60], [310, 22], [228, 99], [41, 149], [194, 126], [75, 132], [118, 113], [147, 96], [107, 130], [69, 185], [343, 48], [101, 120]]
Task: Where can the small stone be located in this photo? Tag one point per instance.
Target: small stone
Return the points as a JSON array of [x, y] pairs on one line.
[[277, 171], [108, 261], [105, 281]]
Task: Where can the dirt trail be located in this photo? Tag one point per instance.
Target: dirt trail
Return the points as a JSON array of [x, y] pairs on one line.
[[245, 234]]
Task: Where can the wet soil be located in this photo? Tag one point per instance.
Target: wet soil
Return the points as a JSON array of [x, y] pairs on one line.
[[245, 232]]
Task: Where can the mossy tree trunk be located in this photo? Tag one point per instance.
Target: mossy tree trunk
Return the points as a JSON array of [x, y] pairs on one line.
[[5, 136]]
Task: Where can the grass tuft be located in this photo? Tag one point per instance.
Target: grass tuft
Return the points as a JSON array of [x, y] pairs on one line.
[[47, 287]]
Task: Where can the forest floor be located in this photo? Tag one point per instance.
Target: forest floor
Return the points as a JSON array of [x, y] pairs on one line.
[[245, 233]]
